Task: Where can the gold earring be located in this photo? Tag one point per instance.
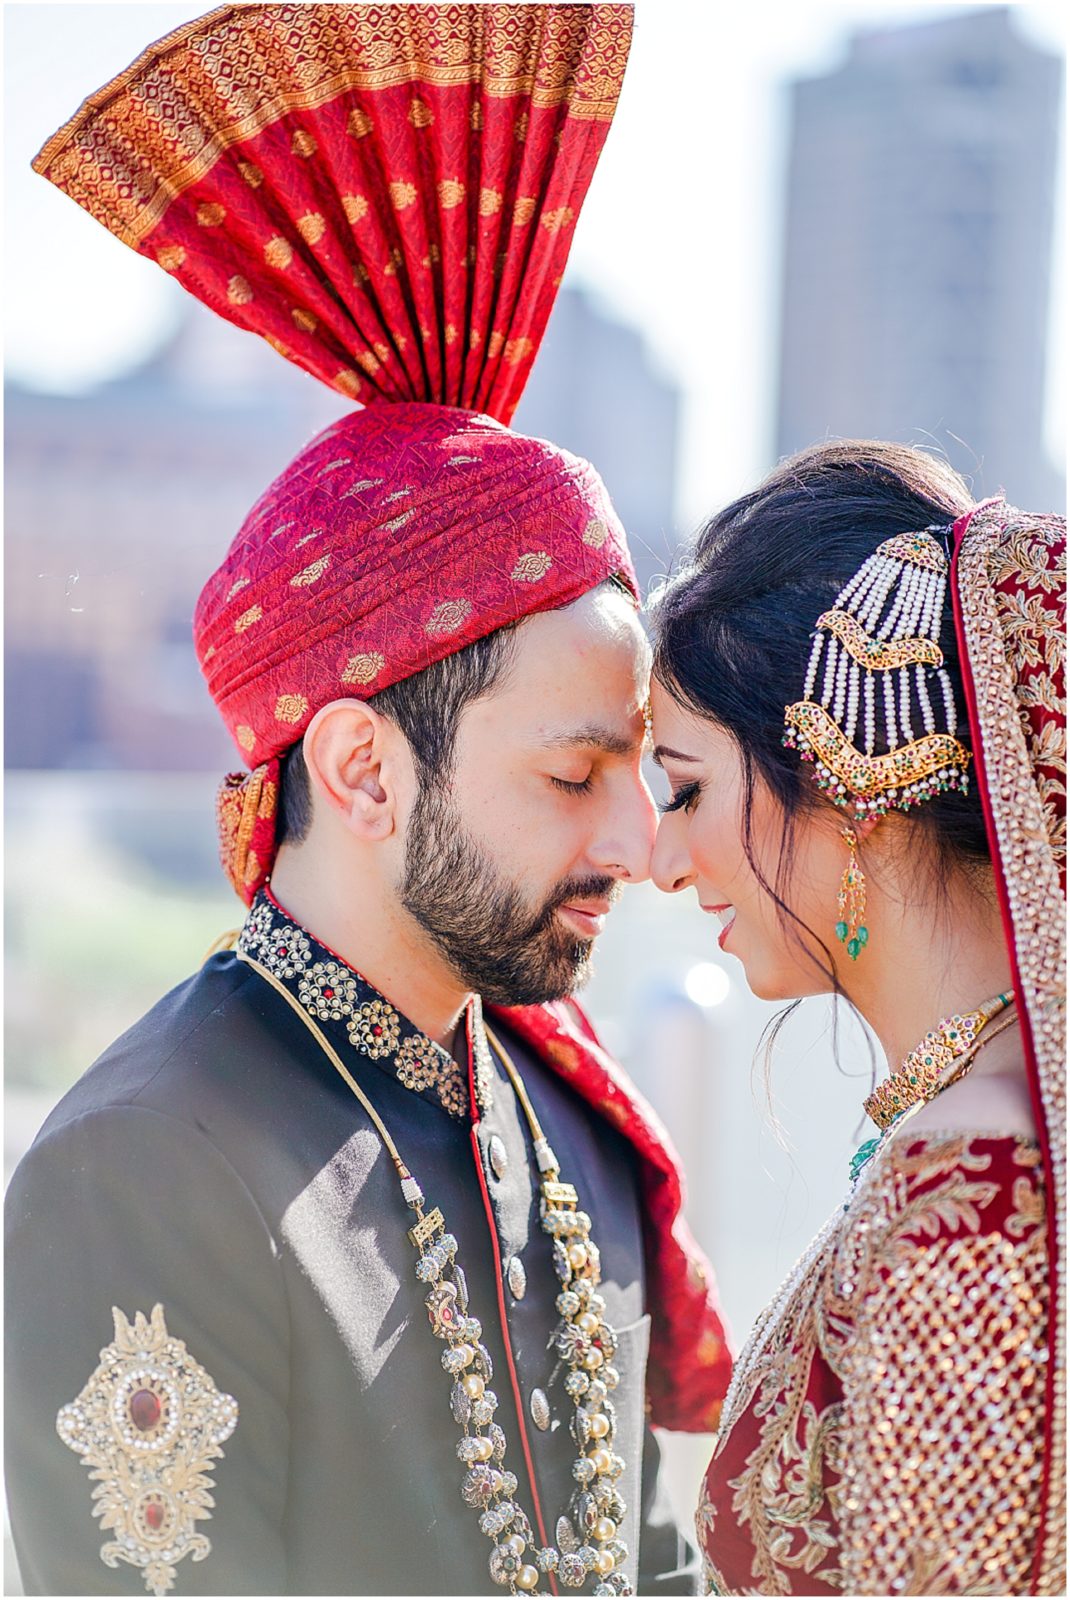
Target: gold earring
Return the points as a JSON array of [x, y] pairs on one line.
[[851, 929]]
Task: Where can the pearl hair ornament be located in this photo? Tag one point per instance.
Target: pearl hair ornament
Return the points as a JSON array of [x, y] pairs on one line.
[[874, 654]]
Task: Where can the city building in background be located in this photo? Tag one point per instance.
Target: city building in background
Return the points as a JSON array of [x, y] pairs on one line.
[[918, 248]]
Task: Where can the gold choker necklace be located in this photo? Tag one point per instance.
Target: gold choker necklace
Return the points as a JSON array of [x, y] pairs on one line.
[[923, 1070]]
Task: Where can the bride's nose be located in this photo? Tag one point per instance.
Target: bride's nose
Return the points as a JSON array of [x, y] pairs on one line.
[[670, 864]]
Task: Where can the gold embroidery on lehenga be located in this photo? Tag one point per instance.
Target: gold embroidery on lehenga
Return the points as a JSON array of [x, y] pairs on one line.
[[943, 1416], [924, 1479]]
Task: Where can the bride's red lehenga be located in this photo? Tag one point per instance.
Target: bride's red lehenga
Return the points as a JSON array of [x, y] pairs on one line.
[[896, 1423]]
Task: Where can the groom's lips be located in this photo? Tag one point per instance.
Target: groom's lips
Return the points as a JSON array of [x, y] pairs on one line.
[[586, 917]]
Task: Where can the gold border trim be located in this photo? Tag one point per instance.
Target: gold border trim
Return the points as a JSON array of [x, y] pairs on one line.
[[552, 58], [1036, 911]]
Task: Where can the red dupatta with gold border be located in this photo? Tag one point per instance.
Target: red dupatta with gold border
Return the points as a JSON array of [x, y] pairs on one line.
[[1008, 590]]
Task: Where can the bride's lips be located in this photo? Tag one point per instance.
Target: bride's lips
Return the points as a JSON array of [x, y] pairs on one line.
[[587, 917], [727, 914]]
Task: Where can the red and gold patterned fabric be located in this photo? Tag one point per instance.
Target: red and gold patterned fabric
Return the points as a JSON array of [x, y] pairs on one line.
[[387, 195], [896, 1423], [1009, 592]]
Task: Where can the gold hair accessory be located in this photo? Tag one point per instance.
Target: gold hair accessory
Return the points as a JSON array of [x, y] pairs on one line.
[[879, 649], [851, 929]]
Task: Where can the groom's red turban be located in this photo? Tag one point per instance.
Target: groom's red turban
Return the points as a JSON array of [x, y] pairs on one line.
[[387, 194]]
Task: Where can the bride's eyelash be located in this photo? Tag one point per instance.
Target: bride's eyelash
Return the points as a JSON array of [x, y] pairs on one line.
[[683, 797], [572, 788]]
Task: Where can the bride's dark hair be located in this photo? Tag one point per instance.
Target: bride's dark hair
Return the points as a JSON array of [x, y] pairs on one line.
[[732, 627]]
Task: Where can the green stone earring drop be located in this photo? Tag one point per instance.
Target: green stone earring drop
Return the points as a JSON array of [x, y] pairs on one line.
[[851, 929]]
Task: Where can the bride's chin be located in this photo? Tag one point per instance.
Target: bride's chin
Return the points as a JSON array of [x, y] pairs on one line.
[[763, 979]]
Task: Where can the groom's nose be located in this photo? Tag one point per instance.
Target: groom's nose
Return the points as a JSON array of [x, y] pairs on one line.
[[626, 838]]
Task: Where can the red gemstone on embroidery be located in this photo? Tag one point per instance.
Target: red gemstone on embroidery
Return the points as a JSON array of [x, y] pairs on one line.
[[144, 1410], [328, 994], [154, 1515], [282, 950], [377, 1031]]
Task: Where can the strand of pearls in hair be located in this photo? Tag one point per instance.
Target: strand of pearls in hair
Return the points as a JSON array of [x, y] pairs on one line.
[[889, 571], [889, 711], [949, 700], [890, 620], [811, 671], [861, 580], [904, 705], [839, 702], [830, 670], [869, 719], [928, 720]]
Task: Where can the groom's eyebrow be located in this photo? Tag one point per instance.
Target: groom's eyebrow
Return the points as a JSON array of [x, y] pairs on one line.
[[662, 750], [592, 737]]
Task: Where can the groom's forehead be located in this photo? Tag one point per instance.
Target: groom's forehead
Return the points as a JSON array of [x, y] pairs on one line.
[[579, 676]]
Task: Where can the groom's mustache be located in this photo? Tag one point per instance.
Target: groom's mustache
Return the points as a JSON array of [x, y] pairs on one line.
[[569, 893]]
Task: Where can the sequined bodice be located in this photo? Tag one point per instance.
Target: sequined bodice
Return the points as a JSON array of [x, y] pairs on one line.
[[883, 1433]]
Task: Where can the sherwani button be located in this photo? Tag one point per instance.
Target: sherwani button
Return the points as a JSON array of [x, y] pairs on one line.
[[499, 1160], [518, 1278], [540, 1410]]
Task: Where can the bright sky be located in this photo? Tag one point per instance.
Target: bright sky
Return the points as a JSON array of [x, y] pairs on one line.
[[680, 233]]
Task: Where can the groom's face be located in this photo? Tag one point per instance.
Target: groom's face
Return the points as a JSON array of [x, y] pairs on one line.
[[513, 857]]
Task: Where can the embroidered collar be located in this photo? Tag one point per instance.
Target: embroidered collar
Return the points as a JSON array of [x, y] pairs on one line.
[[333, 993]]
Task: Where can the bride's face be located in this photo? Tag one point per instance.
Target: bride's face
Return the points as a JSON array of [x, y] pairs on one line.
[[700, 846]]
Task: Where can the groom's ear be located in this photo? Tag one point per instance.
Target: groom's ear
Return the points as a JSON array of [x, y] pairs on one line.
[[357, 761]]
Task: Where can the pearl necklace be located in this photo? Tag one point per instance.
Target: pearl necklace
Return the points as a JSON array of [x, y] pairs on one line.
[[587, 1536]]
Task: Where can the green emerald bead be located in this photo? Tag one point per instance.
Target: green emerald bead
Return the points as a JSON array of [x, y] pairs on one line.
[[841, 931], [853, 947], [862, 1155], [863, 935]]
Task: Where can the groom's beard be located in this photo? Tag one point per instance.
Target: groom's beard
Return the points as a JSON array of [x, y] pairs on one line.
[[499, 945]]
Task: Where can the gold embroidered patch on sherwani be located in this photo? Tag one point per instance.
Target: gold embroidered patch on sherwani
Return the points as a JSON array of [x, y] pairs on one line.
[[150, 1423]]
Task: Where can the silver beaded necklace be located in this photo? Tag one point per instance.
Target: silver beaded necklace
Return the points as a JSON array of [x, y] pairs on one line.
[[587, 1541]]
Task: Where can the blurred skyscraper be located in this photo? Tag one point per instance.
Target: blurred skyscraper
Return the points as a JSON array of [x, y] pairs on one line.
[[917, 257]]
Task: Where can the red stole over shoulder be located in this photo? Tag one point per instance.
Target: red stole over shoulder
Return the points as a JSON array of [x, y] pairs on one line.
[[690, 1362]]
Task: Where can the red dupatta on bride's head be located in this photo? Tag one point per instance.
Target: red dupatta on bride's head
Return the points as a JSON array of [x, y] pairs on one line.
[[1008, 590]]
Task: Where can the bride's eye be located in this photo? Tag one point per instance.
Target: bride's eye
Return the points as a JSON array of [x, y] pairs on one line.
[[682, 800]]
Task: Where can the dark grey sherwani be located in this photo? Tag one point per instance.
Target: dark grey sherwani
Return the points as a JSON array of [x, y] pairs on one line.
[[214, 1161]]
